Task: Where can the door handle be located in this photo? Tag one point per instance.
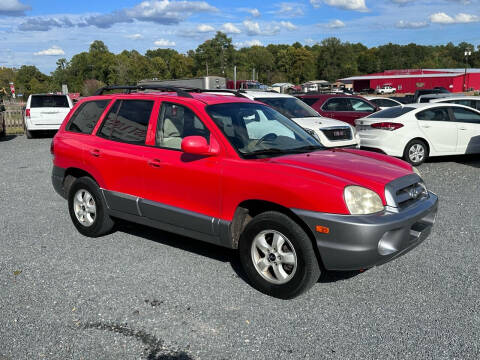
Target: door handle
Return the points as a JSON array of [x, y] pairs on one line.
[[156, 163], [426, 126], [462, 129], [95, 153]]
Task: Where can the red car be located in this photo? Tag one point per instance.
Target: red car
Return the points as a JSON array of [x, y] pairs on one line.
[[346, 108], [234, 172]]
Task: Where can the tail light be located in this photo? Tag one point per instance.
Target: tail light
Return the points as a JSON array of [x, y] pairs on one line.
[[390, 126], [27, 112]]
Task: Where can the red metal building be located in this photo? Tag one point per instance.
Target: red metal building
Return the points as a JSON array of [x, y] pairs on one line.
[[408, 81]]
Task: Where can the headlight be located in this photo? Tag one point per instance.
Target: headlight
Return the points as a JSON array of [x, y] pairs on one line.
[[415, 170], [361, 201]]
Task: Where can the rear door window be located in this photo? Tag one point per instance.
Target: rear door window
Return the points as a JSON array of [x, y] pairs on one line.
[[391, 113], [52, 101], [360, 105], [435, 114], [337, 104], [127, 121], [465, 115], [86, 116]]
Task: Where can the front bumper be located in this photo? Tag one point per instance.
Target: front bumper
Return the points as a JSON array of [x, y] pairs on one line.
[[356, 242]]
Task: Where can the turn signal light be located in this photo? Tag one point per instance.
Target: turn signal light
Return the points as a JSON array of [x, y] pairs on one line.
[[322, 229], [27, 112], [390, 126]]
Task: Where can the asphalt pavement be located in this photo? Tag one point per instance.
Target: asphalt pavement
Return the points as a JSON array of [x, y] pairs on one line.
[[141, 293]]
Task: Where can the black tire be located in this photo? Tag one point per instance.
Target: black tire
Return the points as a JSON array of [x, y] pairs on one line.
[[29, 134], [415, 146], [307, 270], [102, 223], [3, 133]]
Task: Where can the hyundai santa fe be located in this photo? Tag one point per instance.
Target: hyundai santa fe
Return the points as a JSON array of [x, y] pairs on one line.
[[236, 173]]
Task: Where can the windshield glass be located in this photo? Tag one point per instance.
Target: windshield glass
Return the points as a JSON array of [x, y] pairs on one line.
[[392, 112], [290, 107], [258, 131]]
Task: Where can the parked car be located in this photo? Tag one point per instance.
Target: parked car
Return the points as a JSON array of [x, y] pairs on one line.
[[383, 102], [340, 107], [429, 97], [330, 132], [470, 101], [3, 125], [437, 90], [45, 112], [386, 89], [418, 131], [199, 165]]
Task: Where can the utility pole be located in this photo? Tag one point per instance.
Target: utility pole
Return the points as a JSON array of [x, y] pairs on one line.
[[467, 53], [207, 67], [253, 74], [235, 77]]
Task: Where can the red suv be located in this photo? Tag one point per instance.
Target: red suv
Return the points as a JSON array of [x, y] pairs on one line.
[[346, 108], [234, 172]]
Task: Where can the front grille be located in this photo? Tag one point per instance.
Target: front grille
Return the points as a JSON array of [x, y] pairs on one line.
[[404, 192], [338, 133]]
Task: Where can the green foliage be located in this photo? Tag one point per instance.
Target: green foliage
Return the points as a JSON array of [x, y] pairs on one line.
[[330, 60]]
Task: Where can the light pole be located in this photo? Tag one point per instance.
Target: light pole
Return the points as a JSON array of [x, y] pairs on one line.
[[467, 53]]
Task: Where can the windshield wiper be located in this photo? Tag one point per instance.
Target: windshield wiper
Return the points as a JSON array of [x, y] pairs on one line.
[[276, 151]]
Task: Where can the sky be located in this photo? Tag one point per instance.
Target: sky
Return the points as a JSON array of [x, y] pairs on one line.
[[39, 32]]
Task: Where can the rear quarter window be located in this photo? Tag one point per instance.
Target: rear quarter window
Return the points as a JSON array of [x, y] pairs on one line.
[[54, 101], [86, 116]]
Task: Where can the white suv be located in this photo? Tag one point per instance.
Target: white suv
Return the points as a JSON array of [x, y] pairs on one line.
[[45, 112], [386, 89], [331, 133]]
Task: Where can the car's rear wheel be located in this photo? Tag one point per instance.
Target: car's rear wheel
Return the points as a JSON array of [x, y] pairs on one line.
[[416, 152], [87, 208], [278, 256]]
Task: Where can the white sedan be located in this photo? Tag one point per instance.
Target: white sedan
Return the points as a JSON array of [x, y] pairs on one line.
[[415, 132]]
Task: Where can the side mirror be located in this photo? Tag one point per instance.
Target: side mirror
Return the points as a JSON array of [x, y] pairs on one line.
[[197, 145]]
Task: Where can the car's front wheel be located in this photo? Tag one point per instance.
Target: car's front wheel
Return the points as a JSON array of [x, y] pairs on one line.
[[416, 152], [278, 256], [87, 208]]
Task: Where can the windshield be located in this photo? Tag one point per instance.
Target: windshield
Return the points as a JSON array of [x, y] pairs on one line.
[[39, 101], [392, 112], [258, 131], [290, 107]]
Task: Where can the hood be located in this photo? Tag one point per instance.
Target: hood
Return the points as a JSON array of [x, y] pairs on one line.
[[318, 122], [354, 167]]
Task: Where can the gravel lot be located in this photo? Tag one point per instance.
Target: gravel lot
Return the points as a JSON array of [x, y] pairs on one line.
[[140, 293]]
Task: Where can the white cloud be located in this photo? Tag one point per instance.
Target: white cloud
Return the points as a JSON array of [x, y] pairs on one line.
[[53, 51], [164, 43], [402, 24], [285, 9], [248, 43], [229, 28], [335, 24], [253, 28], [254, 12], [164, 12], [13, 8], [134, 36], [355, 5], [288, 25], [461, 18], [204, 28], [310, 42]]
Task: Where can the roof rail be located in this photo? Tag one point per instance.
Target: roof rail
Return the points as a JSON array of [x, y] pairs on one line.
[[183, 92], [237, 93]]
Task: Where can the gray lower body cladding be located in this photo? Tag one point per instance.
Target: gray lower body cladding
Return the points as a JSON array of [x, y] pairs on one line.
[[361, 242]]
